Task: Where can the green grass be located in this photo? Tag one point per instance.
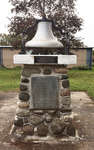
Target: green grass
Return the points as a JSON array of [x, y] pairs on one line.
[[9, 79], [80, 80]]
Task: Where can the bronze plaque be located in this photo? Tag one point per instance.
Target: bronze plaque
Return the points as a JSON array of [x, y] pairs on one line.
[[45, 91]]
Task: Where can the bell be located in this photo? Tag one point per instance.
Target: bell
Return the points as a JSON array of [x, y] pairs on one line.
[[44, 37]]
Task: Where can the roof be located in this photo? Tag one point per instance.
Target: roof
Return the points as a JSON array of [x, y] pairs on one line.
[[83, 48], [6, 46]]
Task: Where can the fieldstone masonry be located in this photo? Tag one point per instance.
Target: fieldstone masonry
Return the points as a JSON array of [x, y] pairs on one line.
[[45, 114]]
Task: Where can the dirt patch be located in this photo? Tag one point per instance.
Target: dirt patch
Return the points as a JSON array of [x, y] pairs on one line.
[[81, 105]]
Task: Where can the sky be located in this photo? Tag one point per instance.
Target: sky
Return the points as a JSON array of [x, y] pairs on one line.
[[85, 9], [5, 13]]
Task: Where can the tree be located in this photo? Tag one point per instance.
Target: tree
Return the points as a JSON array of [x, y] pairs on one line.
[[10, 39], [4, 39], [62, 12]]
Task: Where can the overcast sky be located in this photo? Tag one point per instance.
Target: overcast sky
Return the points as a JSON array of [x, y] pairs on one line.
[[85, 9]]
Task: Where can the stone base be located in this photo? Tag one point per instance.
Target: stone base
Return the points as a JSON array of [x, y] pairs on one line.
[[45, 127], [37, 121]]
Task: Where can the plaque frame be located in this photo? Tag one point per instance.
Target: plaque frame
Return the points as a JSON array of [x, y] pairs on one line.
[[45, 92]]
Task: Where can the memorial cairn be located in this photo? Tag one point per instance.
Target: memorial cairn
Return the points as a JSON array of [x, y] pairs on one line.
[[44, 106]]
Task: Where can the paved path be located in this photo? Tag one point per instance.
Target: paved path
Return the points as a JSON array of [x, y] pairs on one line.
[[81, 105]]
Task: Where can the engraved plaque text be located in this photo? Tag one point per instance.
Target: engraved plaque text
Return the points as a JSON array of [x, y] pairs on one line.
[[45, 92]]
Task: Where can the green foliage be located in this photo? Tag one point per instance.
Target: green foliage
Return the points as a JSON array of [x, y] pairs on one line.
[[5, 39], [62, 12], [10, 39]]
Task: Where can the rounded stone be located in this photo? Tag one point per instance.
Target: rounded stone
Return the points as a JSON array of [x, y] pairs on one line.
[[65, 100], [24, 96], [61, 70], [64, 76], [68, 120], [32, 69], [74, 116], [65, 92], [66, 109], [23, 87], [57, 126], [52, 112], [65, 83], [71, 131], [26, 120], [36, 119], [39, 112], [35, 70], [42, 130], [76, 124], [26, 72], [48, 118], [75, 120], [18, 122], [28, 130], [20, 112], [47, 71], [25, 80], [23, 104]]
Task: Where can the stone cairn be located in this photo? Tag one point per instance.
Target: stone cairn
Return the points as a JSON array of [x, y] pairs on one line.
[[56, 123]]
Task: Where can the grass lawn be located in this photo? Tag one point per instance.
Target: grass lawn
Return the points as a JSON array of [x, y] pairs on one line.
[[9, 79], [80, 80]]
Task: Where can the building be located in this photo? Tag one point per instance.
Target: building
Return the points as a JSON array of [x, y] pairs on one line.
[[6, 56], [84, 57]]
